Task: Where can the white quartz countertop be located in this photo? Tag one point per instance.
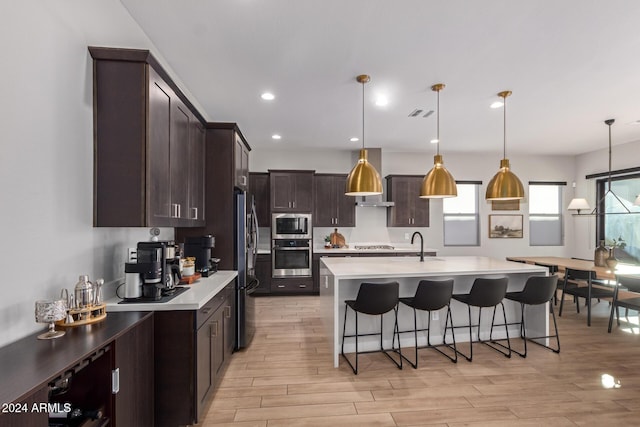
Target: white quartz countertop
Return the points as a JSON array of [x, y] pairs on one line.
[[389, 267], [193, 299], [396, 249]]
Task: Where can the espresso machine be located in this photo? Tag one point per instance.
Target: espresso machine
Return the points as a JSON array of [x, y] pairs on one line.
[[200, 248], [153, 272]]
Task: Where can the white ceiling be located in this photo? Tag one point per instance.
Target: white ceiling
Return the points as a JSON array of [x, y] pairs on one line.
[[571, 64]]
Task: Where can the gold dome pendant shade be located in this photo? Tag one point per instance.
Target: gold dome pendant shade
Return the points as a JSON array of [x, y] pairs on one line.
[[364, 179], [505, 185], [438, 182]]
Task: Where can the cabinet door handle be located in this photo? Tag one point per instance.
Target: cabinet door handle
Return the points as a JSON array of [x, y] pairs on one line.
[[243, 180], [302, 286], [115, 381], [206, 310], [214, 331], [281, 286], [175, 210], [294, 203], [227, 311], [195, 213]]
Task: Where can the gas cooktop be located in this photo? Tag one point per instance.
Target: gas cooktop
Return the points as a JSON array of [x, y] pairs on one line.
[[374, 247]]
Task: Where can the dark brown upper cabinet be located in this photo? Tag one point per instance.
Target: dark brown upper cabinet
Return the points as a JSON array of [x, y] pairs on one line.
[[259, 190], [148, 144], [331, 206], [409, 210], [291, 191]]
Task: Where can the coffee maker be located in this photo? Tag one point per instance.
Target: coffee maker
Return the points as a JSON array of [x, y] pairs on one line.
[[158, 266], [200, 248]]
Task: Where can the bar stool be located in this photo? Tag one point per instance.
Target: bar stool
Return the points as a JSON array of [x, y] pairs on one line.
[[553, 269], [537, 290], [374, 299], [431, 295], [485, 293]]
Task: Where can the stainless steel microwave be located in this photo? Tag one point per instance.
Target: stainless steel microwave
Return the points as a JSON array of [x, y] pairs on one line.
[[291, 226]]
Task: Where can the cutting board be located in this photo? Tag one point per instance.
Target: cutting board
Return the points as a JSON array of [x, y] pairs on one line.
[[188, 280], [337, 239]]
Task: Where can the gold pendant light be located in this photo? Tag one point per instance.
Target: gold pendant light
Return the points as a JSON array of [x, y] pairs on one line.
[[438, 182], [505, 185], [364, 179]]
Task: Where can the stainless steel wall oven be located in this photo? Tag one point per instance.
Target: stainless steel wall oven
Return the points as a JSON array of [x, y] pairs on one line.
[[291, 257]]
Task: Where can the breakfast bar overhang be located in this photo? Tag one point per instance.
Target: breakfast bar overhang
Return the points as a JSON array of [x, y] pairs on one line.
[[340, 279]]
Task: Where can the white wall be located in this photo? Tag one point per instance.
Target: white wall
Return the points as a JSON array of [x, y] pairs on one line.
[[46, 163], [371, 222], [622, 156]]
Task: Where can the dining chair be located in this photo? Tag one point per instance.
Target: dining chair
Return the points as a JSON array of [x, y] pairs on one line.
[[631, 284], [579, 283]]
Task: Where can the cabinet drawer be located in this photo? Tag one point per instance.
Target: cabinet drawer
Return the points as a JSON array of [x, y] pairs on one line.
[[207, 310], [300, 285]]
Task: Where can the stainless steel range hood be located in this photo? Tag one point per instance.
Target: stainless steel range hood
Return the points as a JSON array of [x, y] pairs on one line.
[[375, 158]]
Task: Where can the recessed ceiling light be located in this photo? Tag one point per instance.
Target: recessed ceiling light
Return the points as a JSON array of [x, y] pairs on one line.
[[434, 141], [268, 96], [497, 104], [381, 101], [276, 136], [354, 139]]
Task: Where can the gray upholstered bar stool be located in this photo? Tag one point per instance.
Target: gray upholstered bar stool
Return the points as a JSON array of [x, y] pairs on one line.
[[374, 299], [537, 290], [485, 293], [431, 295]]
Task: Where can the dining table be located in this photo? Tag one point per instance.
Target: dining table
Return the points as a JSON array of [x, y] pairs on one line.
[[573, 263]]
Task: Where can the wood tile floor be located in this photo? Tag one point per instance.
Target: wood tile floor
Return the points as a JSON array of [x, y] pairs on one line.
[[286, 378]]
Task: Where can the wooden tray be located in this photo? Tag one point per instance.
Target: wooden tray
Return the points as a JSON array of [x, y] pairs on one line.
[[85, 316], [188, 280]]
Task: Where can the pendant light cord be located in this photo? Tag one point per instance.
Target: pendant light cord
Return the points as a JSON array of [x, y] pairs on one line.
[[504, 130], [609, 178], [438, 124], [363, 115]]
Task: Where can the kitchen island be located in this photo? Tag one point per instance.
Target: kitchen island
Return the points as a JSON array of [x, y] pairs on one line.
[[340, 279]]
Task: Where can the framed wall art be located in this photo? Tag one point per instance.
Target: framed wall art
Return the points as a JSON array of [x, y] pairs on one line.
[[505, 205], [505, 226]]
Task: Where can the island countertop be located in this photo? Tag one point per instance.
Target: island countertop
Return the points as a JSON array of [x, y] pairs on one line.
[[198, 294], [390, 267], [341, 277]]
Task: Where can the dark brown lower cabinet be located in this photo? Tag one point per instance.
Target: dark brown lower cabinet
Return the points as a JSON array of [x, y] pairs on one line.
[[107, 367], [263, 274], [292, 285], [134, 361], [193, 349]]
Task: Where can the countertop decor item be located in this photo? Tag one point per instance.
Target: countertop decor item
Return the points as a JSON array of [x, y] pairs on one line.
[[504, 185], [50, 312], [364, 179], [600, 255], [438, 182], [337, 239]]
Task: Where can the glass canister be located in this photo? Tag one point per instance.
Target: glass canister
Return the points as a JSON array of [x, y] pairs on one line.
[[600, 255], [83, 292]]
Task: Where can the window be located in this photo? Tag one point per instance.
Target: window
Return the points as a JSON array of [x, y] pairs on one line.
[[615, 225], [461, 216], [545, 214]]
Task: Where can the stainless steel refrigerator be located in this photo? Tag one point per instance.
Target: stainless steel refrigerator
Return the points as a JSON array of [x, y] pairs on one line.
[[246, 239]]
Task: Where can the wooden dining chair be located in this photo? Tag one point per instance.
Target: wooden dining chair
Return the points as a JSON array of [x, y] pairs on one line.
[[630, 300]]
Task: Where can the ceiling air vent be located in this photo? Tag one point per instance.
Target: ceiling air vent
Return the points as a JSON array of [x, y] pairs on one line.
[[418, 112]]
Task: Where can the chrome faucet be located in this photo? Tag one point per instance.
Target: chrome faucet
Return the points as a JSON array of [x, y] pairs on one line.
[[421, 244]]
